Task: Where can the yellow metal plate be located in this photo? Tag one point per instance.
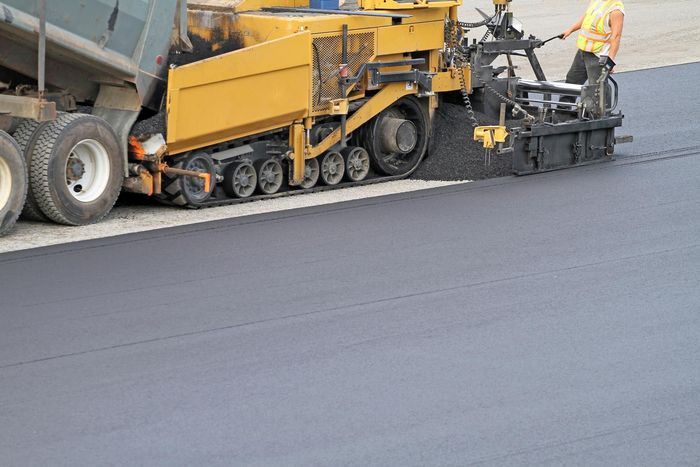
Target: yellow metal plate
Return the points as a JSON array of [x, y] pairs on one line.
[[449, 81], [240, 93], [410, 38], [416, 5]]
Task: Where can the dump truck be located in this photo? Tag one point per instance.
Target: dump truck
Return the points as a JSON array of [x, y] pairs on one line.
[[213, 102]]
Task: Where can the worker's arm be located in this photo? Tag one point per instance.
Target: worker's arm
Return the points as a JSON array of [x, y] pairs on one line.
[[617, 20], [574, 27]]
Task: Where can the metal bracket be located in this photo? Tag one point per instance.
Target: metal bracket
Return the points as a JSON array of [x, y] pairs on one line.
[[490, 135], [120, 107], [509, 45], [28, 107], [377, 65], [184, 41], [577, 150], [423, 79]]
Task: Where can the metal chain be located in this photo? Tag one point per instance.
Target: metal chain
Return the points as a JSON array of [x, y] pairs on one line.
[[476, 25], [463, 82], [460, 74], [516, 107], [465, 97]]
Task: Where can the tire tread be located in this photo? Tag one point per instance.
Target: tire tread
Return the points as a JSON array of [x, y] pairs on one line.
[[23, 135]]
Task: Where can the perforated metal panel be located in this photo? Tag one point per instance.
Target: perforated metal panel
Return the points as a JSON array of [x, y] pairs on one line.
[[327, 52]]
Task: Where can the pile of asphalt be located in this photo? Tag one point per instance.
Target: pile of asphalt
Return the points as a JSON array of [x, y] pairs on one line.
[[454, 155], [202, 48], [151, 125]]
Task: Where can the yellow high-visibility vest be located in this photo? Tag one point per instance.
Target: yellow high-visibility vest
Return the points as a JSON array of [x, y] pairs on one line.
[[596, 31]]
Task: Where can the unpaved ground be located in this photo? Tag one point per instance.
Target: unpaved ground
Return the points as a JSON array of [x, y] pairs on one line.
[[648, 42], [657, 33]]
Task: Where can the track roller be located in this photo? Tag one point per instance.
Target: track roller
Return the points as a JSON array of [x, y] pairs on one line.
[[311, 174], [270, 176], [356, 163], [332, 168], [182, 190], [240, 179]]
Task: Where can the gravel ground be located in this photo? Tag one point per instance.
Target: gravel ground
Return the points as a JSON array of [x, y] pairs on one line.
[[134, 214]]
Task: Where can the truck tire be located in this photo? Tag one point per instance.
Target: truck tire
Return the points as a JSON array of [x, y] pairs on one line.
[[26, 135], [9, 124], [13, 182], [76, 170]]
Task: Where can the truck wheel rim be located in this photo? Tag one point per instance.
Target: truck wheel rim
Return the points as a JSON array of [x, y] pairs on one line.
[[5, 183], [87, 170]]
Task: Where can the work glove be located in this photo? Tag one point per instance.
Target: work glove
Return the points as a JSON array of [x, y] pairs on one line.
[[607, 62]]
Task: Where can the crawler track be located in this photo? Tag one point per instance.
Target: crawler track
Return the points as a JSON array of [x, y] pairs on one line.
[[214, 202]]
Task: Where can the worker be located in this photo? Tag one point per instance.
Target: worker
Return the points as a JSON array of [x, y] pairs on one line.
[[599, 38]]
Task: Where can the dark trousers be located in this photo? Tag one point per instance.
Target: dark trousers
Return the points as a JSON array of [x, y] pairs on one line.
[[585, 68]]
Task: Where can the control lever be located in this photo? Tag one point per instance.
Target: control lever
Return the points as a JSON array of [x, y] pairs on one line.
[[559, 36], [608, 64]]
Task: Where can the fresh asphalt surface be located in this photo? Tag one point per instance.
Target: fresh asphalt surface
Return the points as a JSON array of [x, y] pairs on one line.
[[550, 319]]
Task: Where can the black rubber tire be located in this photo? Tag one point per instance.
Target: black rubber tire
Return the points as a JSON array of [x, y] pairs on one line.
[[173, 190], [9, 124], [26, 136], [47, 173], [410, 108], [13, 159]]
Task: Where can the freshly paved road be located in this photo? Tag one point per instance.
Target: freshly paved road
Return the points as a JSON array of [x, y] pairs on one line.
[[661, 107], [550, 319]]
